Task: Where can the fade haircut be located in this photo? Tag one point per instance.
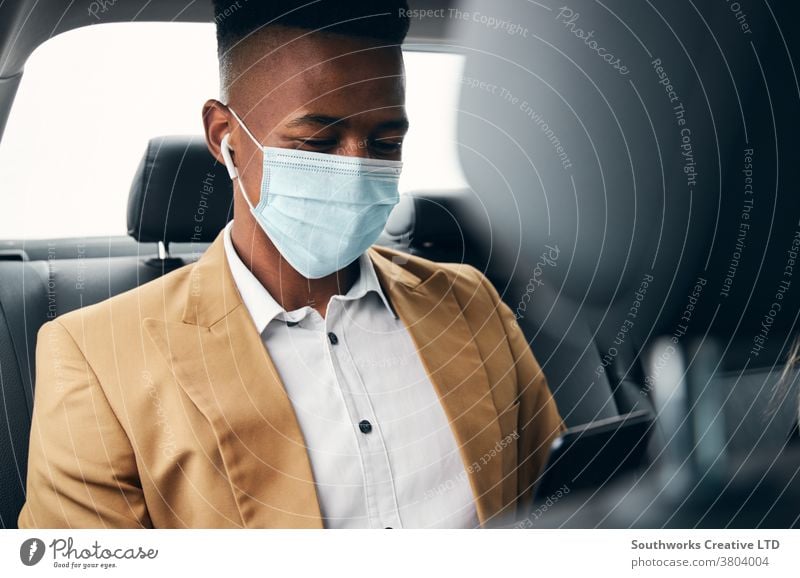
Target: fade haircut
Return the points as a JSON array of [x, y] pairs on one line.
[[384, 21]]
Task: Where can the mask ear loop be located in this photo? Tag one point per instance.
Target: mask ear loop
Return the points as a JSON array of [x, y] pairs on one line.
[[245, 129], [226, 155]]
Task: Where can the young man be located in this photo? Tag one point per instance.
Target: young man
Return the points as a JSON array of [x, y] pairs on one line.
[[295, 376]]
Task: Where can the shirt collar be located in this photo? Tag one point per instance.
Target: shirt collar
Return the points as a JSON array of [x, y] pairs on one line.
[[368, 281], [262, 306]]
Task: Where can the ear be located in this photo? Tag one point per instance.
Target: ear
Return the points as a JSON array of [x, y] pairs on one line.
[[217, 124]]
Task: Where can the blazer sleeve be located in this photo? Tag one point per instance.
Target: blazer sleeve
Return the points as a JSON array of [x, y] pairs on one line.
[[539, 419], [81, 466]]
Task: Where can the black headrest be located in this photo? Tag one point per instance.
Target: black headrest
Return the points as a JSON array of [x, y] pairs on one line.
[[180, 193]]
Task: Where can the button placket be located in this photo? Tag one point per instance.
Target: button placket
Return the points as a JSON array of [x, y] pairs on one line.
[[374, 457], [369, 485]]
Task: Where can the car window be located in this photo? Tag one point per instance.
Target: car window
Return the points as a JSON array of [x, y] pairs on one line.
[[76, 133]]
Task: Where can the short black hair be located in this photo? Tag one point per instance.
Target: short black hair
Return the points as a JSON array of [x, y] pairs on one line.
[[384, 20]]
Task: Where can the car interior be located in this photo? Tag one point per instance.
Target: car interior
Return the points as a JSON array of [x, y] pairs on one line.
[[628, 270]]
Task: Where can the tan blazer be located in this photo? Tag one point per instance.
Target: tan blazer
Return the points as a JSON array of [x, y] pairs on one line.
[[161, 408]]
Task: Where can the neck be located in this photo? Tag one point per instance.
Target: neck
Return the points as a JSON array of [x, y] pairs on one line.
[[288, 287]]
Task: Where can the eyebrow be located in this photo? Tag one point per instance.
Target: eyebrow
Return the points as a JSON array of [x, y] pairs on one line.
[[319, 120]]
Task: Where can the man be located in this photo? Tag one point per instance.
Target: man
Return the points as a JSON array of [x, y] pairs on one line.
[[294, 376]]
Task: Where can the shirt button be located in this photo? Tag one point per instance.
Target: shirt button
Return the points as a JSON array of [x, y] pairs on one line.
[[388, 528], [332, 338], [365, 426]]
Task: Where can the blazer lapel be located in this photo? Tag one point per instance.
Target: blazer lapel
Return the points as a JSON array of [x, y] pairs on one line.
[[444, 341], [218, 359]]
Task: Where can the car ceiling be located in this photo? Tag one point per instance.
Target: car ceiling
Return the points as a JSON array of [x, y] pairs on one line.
[[25, 24]]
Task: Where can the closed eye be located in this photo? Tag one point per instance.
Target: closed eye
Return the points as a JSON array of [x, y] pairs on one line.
[[388, 145], [316, 144]]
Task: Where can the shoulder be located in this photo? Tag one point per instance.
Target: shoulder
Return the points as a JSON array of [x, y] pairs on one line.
[[163, 297], [477, 297], [461, 275]]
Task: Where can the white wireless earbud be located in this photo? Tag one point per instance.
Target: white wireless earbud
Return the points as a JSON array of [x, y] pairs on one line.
[[225, 149]]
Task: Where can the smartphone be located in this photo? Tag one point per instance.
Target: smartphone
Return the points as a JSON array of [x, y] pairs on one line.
[[591, 455]]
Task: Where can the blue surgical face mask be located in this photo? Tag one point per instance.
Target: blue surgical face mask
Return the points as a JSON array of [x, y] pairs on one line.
[[321, 211]]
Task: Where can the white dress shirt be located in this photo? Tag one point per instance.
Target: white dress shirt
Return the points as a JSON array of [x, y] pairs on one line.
[[381, 449]]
